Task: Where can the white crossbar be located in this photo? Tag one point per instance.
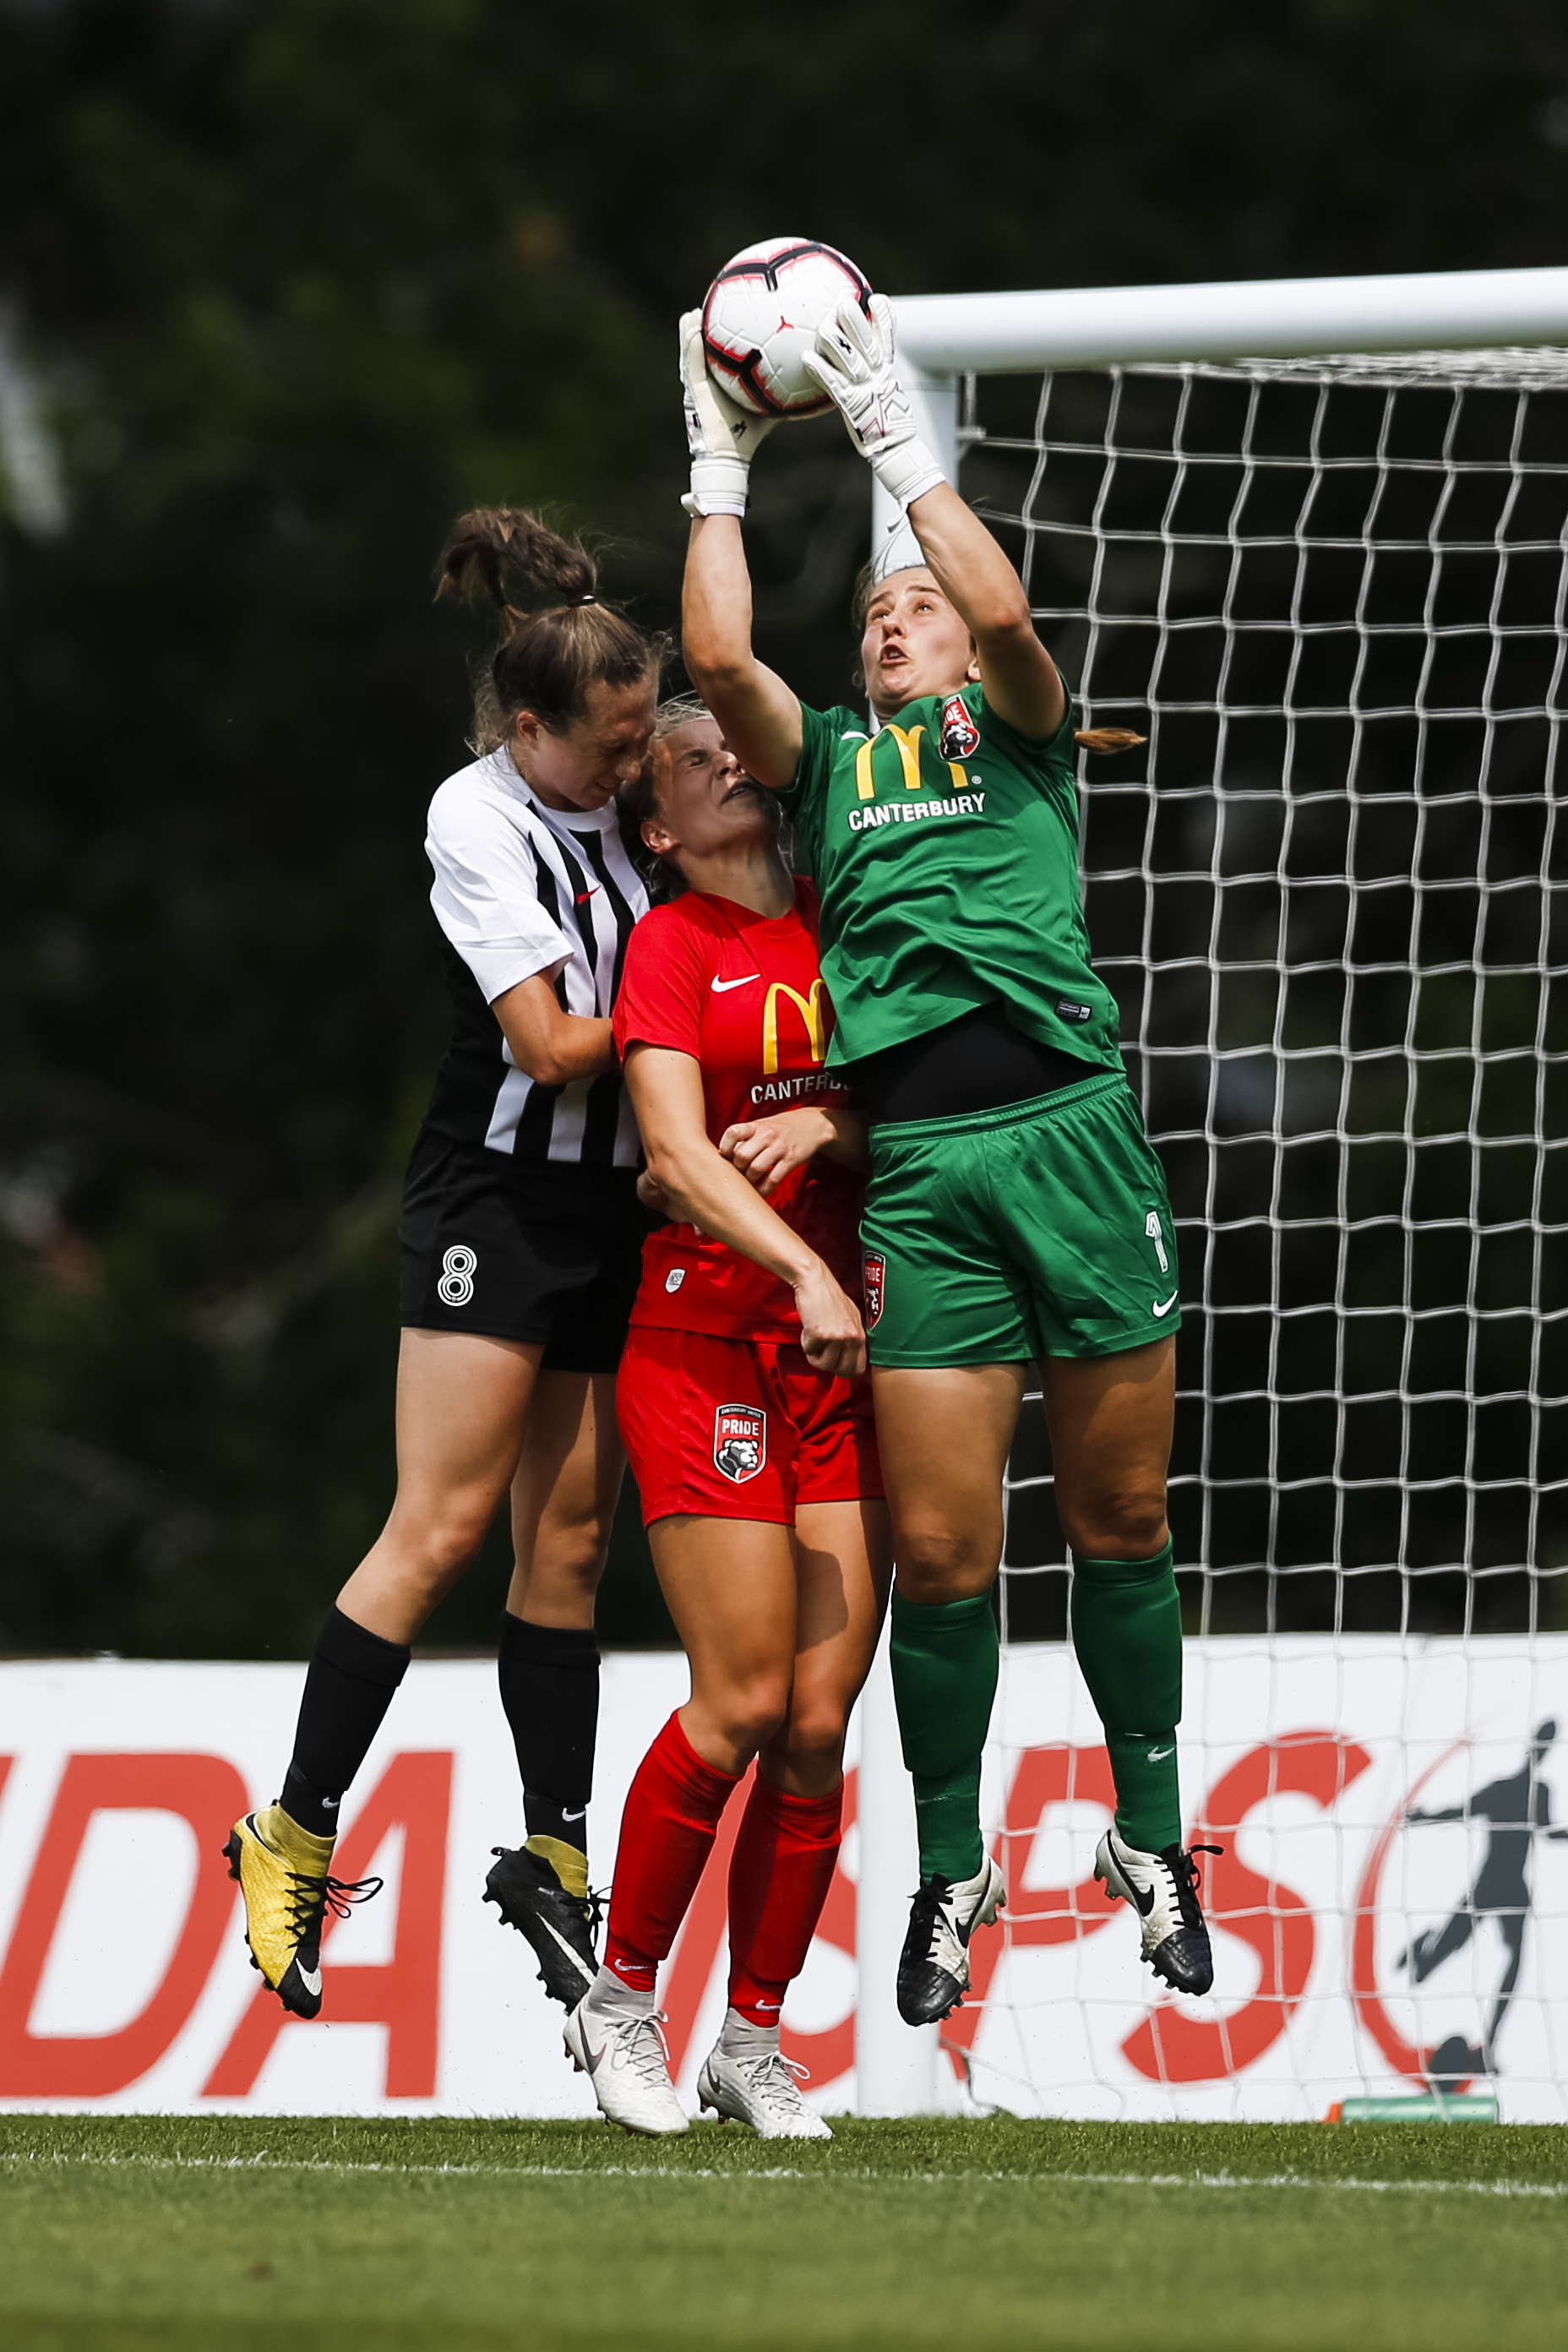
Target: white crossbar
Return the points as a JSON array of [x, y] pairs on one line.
[[1280, 318]]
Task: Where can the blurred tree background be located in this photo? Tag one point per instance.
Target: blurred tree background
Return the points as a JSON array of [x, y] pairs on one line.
[[284, 284]]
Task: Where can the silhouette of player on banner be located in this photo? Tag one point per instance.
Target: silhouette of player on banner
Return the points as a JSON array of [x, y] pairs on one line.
[[1517, 1810]]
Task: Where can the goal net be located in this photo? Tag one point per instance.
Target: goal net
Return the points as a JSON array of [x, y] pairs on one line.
[[1328, 895]]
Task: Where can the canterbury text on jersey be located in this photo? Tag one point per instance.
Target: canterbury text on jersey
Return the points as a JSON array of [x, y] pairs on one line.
[[945, 850], [744, 996], [521, 889]]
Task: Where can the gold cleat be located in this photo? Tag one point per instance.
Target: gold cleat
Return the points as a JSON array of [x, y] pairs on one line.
[[282, 1873]]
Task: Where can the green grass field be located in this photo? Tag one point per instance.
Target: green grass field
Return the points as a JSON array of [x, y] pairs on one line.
[[139, 2235]]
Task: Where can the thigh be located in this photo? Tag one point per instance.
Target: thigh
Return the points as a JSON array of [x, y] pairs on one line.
[[1079, 1203], [462, 1403], [730, 1589], [1111, 1419], [564, 1497], [945, 1437], [938, 1291]]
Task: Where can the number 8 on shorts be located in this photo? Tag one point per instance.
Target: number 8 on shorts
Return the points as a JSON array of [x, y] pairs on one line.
[[459, 1267]]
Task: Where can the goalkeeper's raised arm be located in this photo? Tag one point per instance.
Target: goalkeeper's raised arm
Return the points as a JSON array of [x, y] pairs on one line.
[[985, 632]]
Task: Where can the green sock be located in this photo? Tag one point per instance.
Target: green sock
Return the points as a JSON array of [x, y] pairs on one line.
[[944, 1678], [1127, 1631]]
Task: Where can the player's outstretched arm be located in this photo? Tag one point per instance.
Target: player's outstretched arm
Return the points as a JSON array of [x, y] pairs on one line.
[[759, 715], [854, 363], [1020, 678], [700, 1186]]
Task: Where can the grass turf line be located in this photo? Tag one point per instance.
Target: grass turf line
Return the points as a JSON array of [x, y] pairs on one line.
[[125, 2233]]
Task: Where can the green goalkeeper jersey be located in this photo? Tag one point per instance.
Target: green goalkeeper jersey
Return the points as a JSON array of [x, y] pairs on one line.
[[944, 849]]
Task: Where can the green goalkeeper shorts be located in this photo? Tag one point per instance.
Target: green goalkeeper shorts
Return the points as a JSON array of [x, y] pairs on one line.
[[1043, 1229]]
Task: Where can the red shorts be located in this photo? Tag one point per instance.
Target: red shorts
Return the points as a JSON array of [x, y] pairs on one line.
[[740, 1429]]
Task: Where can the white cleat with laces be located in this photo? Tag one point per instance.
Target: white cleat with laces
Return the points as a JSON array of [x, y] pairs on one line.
[[763, 2089], [1164, 1889], [621, 2052]]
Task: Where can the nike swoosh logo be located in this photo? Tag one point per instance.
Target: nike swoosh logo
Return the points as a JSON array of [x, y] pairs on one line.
[[584, 896], [556, 1934], [577, 1816], [722, 986], [593, 2059], [1165, 1308], [311, 1980], [1158, 1755]]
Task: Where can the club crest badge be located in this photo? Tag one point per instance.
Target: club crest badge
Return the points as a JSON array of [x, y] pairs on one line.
[[960, 737], [739, 1441], [874, 1275]]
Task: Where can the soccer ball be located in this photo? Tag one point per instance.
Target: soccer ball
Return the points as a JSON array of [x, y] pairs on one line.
[[762, 316]]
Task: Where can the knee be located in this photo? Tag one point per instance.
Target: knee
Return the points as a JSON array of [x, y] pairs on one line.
[[572, 1560], [1126, 1524], [754, 1712], [944, 1563], [441, 1545], [814, 1738]]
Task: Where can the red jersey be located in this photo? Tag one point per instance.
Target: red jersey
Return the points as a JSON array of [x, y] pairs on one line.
[[744, 996]]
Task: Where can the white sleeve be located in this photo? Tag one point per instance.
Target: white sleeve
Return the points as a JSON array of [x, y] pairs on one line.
[[486, 895]]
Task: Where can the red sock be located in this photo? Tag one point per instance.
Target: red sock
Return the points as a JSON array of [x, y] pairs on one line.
[[666, 1834], [779, 1876]]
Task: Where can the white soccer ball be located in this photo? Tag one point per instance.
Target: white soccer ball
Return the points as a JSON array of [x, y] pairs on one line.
[[762, 316]]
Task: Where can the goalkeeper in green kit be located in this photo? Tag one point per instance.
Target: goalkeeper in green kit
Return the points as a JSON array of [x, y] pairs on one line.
[[1015, 1209]]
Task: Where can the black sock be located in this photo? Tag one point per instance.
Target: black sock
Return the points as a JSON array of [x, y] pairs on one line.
[[347, 1689], [550, 1689]]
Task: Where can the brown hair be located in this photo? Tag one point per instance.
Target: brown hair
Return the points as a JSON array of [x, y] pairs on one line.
[[1093, 738], [547, 658]]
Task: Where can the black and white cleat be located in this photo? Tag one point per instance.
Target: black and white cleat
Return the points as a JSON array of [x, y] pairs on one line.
[[559, 1925], [1162, 1889], [933, 1967]]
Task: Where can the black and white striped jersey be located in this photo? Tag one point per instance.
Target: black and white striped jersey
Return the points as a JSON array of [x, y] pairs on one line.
[[522, 889]]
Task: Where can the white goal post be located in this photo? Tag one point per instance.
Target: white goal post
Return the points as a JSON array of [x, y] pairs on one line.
[[943, 340]]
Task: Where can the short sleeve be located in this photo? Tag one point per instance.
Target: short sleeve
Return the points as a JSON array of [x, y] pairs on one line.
[[486, 895], [821, 732], [1058, 751], [663, 982]]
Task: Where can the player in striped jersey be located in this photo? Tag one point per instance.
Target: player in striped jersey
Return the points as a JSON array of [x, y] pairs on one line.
[[1016, 1210], [522, 1247]]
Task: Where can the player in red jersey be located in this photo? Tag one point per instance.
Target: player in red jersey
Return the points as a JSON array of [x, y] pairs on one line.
[[748, 1423]]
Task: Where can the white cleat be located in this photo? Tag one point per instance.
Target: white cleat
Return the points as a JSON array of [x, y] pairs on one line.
[[1162, 1889], [621, 2052], [933, 1967], [763, 2090]]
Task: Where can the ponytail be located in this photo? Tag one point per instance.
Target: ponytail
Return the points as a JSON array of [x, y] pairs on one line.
[[1109, 739], [551, 656]]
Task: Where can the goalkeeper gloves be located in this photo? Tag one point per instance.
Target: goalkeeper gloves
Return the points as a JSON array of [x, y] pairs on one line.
[[722, 436], [853, 365]]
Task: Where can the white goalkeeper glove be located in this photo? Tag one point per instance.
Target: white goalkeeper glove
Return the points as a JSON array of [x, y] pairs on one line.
[[854, 363], [722, 436]]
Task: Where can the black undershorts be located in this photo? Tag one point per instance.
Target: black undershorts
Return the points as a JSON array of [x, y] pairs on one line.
[[548, 1254]]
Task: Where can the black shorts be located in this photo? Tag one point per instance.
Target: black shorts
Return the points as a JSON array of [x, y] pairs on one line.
[[551, 1254]]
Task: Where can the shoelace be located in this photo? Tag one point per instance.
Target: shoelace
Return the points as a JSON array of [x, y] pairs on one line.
[[646, 2050], [775, 2079], [309, 1897], [927, 1900], [1188, 1881]]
